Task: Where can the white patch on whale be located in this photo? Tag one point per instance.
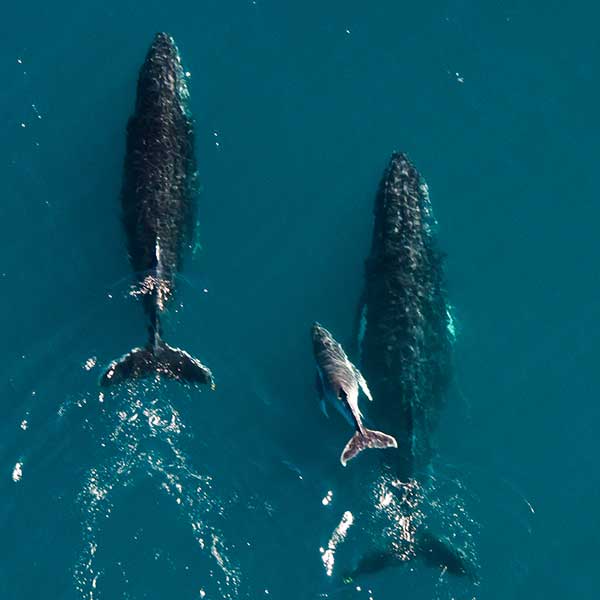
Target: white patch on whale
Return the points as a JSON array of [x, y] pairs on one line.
[[451, 323]]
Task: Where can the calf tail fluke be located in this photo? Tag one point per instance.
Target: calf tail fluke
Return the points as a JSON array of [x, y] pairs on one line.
[[160, 359], [367, 438]]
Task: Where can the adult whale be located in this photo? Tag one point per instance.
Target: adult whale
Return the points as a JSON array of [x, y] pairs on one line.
[[404, 325], [405, 338], [158, 203]]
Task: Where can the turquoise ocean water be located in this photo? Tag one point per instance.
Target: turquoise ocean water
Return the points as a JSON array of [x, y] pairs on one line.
[[161, 492]]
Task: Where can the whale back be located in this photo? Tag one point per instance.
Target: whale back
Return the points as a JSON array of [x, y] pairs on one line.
[[159, 183], [407, 339]]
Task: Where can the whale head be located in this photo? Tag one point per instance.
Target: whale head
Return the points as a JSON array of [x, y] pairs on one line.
[[161, 80], [320, 336]]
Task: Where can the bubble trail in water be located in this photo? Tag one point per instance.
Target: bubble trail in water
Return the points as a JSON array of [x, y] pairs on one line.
[[193, 494]]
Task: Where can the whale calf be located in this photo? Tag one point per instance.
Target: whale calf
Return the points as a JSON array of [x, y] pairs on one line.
[[158, 204], [338, 382]]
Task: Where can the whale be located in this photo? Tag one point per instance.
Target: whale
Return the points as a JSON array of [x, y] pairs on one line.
[[338, 382], [404, 326], [405, 334], [158, 201]]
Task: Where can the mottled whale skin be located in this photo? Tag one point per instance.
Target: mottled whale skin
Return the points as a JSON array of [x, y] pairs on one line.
[[158, 204], [338, 382], [405, 338], [404, 324]]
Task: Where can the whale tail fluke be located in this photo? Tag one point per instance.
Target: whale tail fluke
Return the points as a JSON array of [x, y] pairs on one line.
[[367, 438], [160, 359], [433, 551], [440, 552]]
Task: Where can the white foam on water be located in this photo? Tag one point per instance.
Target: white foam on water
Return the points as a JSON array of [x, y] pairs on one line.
[[166, 464], [17, 473], [338, 536]]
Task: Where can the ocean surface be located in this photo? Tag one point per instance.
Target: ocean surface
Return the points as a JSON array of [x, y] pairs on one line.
[[157, 491]]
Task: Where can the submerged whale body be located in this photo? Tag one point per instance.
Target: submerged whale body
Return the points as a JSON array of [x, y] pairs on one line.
[[405, 338], [158, 203], [405, 330]]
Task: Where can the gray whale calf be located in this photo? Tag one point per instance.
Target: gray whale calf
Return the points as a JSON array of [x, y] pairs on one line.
[[338, 382], [158, 203]]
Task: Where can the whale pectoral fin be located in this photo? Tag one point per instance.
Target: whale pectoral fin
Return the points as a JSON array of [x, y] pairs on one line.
[[321, 394], [363, 384], [196, 243], [319, 387]]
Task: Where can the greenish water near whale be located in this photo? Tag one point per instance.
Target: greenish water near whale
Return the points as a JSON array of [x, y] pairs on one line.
[[157, 491]]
